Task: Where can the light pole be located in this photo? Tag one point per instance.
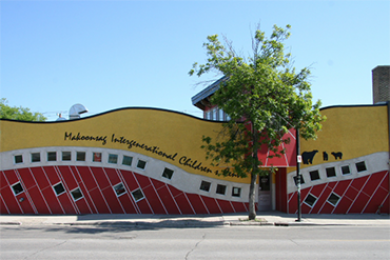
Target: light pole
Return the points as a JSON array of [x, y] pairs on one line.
[[298, 175]]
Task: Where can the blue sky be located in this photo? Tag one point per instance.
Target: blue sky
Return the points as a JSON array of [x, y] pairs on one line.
[[112, 54]]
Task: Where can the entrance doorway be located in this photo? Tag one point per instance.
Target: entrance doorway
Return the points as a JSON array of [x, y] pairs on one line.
[[264, 192]]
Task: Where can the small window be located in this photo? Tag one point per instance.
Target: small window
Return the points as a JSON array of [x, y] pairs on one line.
[[333, 199], [119, 189], [80, 156], [236, 192], [51, 156], [18, 158], [215, 112], [17, 188], [35, 157], [361, 166], [141, 164], [127, 160], [330, 172], [310, 200], [59, 188], [205, 185], [76, 194], [221, 189], [66, 156], [220, 115], [314, 175], [113, 158], [167, 173], [345, 169], [137, 195], [97, 157]]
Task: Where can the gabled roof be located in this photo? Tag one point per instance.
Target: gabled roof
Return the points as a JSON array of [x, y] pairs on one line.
[[201, 100]]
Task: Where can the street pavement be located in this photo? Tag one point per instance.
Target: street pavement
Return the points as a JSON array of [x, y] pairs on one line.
[[272, 218]]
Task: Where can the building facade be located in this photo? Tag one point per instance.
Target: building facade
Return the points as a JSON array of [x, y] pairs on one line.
[[150, 161]]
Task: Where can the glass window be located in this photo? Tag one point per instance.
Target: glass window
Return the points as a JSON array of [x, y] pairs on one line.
[[80, 156], [205, 185], [310, 200], [221, 189], [52, 156], [345, 169], [141, 164], [208, 115], [220, 115], [76, 194], [236, 192], [66, 156], [361, 166], [127, 160], [314, 175], [119, 189], [97, 157], [35, 157], [333, 199], [137, 195], [215, 112], [18, 158], [59, 188], [17, 188], [330, 172], [167, 173], [113, 158]]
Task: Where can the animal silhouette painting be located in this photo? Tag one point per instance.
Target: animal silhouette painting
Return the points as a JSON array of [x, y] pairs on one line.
[[338, 155], [307, 157], [325, 156]]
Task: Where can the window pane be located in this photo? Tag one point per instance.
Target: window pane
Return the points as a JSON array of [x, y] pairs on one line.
[[236, 192], [314, 175], [361, 166], [52, 156], [80, 156], [97, 157], [221, 189], [330, 172], [141, 164], [17, 188], [66, 156], [112, 158], [18, 159], [35, 157], [345, 169], [138, 195], [205, 186], [59, 189], [333, 199], [76, 194], [119, 189], [127, 160], [310, 200], [167, 173]]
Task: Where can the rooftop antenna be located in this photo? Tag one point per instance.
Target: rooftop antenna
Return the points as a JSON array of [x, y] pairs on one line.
[[76, 110]]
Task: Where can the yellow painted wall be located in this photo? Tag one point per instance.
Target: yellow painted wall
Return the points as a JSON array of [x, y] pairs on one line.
[[172, 133], [353, 130]]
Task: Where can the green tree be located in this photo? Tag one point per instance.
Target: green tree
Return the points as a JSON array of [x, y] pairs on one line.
[[18, 113], [264, 97]]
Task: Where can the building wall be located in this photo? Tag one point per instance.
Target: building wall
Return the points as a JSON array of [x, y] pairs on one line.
[[346, 170], [103, 182]]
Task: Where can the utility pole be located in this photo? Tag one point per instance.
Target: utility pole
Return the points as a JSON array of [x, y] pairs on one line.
[[298, 176]]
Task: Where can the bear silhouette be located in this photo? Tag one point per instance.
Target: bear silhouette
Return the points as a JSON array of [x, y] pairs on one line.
[[338, 155], [307, 157], [325, 156]]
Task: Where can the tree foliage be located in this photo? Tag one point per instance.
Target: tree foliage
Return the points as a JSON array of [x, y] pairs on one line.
[[264, 97], [18, 113]]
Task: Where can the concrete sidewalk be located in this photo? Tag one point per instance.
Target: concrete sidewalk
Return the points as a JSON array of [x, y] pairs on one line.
[[263, 219]]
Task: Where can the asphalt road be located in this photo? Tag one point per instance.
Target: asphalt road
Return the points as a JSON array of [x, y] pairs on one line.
[[266, 242]]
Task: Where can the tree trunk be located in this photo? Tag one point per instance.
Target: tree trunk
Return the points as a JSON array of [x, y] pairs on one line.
[[252, 195]]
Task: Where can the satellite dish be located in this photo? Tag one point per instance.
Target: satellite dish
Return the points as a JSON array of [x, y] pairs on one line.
[[76, 110]]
